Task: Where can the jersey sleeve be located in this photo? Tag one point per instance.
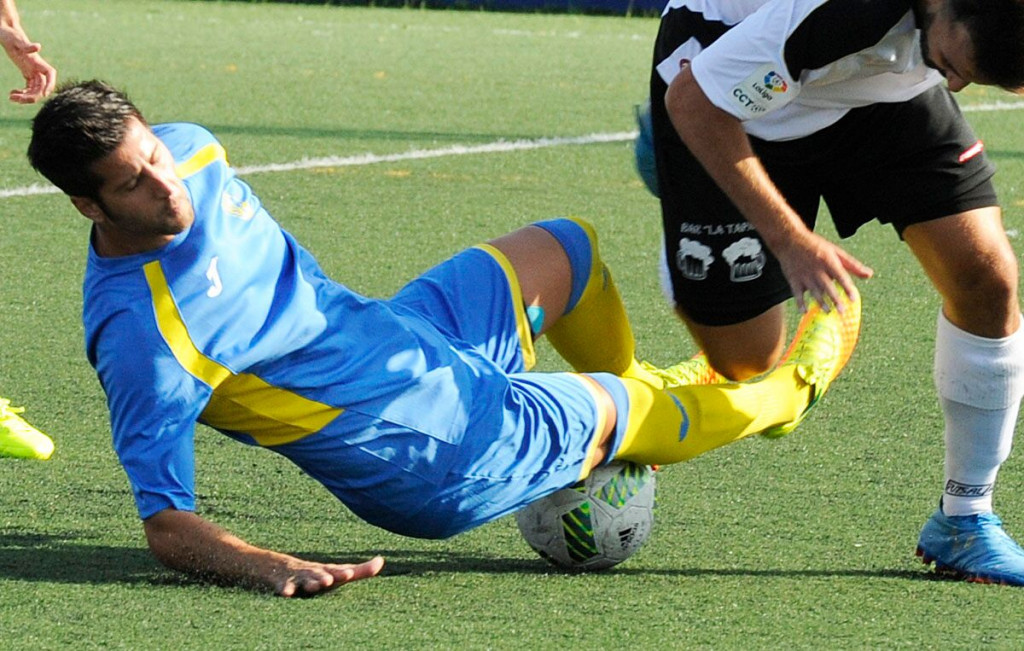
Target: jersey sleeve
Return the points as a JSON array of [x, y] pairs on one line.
[[761, 64], [744, 72], [153, 407]]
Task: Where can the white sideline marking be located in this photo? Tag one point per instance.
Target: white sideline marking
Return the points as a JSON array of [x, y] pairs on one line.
[[28, 191], [500, 146], [992, 106]]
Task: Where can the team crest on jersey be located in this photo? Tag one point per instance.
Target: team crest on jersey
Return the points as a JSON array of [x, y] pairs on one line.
[[761, 91], [233, 202], [746, 260]]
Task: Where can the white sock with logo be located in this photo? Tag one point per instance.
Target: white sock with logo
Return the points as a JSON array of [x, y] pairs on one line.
[[980, 383]]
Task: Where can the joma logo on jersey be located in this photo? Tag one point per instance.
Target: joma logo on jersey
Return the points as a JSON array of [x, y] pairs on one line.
[[216, 286]]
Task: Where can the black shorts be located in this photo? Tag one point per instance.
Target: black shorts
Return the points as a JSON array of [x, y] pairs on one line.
[[898, 163]]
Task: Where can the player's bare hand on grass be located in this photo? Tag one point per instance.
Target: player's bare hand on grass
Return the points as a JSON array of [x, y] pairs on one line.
[[306, 579], [817, 267]]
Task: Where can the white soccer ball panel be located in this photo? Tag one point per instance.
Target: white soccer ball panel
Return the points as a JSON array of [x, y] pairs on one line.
[[596, 524]]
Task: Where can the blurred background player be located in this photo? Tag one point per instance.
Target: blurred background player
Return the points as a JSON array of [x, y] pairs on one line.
[[759, 109], [18, 439]]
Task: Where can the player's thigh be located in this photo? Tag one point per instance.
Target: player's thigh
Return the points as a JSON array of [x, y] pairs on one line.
[[970, 260], [475, 300], [542, 268], [718, 272]]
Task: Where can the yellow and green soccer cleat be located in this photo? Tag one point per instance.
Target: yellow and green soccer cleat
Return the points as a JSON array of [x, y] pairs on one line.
[[18, 439], [820, 349], [695, 370]]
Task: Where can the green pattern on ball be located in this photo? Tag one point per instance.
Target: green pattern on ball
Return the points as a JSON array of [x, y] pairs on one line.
[[623, 485], [579, 533]]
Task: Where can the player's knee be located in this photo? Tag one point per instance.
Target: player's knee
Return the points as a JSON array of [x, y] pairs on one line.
[[743, 350], [739, 363], [578, 238], [740, 369], [987, 288]]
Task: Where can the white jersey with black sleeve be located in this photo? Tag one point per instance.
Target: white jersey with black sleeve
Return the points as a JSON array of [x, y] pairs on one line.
[[789, 68]]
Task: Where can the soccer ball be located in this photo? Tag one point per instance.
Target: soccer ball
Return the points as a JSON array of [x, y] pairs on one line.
[[596, 523]]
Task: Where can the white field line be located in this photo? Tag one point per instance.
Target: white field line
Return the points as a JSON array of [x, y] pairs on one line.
[[992, 106], [500, 146]]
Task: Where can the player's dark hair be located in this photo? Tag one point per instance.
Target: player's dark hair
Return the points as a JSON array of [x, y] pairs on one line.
[[80, 124], [996, 29]]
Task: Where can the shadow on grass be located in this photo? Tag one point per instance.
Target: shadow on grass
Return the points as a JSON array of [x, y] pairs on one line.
[[408, 562], [1004, 153], [60, 559]]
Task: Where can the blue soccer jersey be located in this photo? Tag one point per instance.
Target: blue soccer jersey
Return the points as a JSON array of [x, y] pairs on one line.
[[414, 411]]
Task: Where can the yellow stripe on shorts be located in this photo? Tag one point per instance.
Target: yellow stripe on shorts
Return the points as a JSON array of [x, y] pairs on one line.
[[523, 328], [599, 425]]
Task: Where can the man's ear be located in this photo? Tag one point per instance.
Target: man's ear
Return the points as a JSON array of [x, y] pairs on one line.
[[90, 208]]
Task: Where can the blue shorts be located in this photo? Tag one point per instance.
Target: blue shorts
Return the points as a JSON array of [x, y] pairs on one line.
[[525, 436], [474, 299]]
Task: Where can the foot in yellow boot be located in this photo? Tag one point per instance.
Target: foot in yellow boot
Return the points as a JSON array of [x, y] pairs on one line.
[[821, 347], [18, 439], [695, 370]]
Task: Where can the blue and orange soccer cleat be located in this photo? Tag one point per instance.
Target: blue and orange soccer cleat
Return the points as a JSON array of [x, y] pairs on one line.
[[18, 439], [821, 347], [973, 548]]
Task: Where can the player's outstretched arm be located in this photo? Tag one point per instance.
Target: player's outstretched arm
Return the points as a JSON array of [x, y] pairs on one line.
[[40, 76], [186, 542], [811, 263]]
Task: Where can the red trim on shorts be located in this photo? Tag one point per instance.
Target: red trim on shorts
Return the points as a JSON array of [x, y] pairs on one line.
[[971, 152]]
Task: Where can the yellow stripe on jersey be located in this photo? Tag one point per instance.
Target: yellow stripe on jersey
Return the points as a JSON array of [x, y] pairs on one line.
[[522, 321], [208, 154], [241, 402]]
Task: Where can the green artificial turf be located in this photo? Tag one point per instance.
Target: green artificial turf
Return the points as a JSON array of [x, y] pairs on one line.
[[806, 542]]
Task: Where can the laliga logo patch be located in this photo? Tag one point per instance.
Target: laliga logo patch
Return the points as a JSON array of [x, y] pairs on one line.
[[775, 83], [761, 91]]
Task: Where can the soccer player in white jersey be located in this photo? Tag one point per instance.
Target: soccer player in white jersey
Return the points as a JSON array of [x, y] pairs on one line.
[[18, 439], [762, 108]]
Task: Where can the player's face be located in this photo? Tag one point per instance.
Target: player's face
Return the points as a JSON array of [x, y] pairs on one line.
[[141, 204], [947, 47]]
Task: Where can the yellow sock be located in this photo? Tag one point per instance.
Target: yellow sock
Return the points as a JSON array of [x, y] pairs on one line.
[[680, 423], [595, 335]]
